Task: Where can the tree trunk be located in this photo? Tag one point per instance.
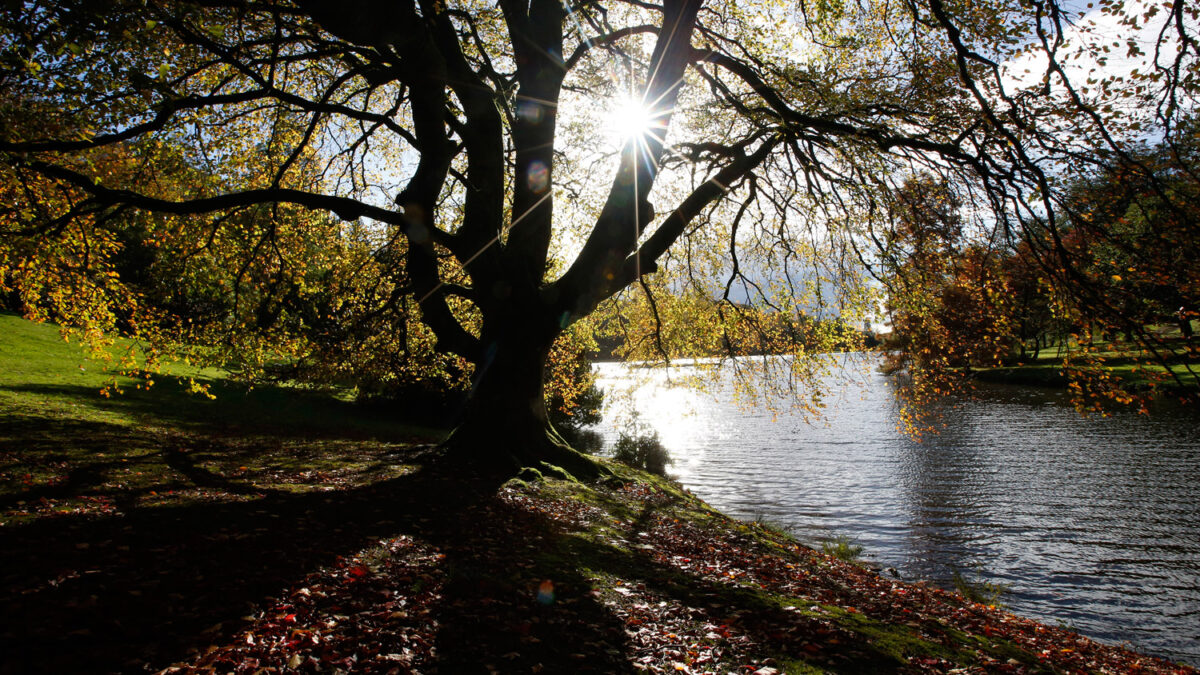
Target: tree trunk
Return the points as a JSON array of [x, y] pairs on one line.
[[505, 427]]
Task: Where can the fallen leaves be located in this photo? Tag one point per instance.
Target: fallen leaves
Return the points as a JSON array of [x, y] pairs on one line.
[[548, 577], [345, 617]]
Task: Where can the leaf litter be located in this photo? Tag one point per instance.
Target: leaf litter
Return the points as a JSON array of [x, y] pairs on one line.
[[156, 550], [642, 579]]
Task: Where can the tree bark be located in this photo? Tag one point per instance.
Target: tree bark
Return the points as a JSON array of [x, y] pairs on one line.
[[505, 426]]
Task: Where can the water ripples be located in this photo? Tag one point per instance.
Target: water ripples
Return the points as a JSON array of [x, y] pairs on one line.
[[1091, 522]]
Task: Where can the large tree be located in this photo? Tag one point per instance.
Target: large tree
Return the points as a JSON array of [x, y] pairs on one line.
[[468, 135]]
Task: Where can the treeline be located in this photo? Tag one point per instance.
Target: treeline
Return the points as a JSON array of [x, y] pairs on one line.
[[1118, 280]]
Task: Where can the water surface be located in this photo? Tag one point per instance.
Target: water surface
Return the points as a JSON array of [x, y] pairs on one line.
[[1093, 523]]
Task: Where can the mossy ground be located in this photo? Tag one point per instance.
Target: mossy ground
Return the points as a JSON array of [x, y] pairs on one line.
[[272, 531]]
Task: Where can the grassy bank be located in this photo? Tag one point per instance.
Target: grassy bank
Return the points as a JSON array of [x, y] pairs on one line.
[[1181, 374], [270, 531]]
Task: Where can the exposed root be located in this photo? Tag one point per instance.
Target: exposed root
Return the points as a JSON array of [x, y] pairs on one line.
[[545, 451]]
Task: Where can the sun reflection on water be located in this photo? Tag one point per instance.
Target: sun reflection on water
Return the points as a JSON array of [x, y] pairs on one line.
[[660, 400]]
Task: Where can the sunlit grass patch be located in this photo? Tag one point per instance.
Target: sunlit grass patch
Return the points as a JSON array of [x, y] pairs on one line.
[[1175, 366], [66, 448]]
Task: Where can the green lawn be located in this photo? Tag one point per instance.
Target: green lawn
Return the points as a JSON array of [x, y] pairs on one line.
[[67, 447], [1137, 371], [42, 372]]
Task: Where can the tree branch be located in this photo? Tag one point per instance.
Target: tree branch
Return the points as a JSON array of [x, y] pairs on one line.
[[346, 208], [606, 39], [537, 39], [676, 223], [626, 211]]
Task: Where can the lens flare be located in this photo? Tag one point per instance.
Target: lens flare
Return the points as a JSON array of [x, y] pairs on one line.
[[631, 118]]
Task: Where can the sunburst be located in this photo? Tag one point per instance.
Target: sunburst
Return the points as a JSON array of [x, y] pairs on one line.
[[630, 118]]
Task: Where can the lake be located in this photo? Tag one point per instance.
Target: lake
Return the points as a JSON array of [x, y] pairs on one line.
[[1093, 523]]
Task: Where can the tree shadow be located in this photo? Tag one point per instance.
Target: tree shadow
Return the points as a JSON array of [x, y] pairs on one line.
[[110, 594], [150, 585], [265, 409], [769, 630], [580, 633], [773, 631], [146, 588], [93, 466], [514, 603]]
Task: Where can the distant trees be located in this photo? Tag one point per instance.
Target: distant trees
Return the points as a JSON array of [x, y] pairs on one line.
[[946, 293], [1138, 224], [1129, 241]]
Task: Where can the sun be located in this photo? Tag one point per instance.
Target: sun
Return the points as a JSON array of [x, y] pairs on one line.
[[630, 118]]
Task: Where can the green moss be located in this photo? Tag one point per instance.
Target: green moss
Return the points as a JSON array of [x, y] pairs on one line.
[[553, 471], [528, 475]]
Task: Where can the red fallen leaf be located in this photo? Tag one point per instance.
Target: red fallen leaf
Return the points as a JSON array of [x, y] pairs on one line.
[[358, 571]]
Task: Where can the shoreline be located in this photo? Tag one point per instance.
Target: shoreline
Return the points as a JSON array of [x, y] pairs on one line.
[[267, 532], [1051, 377]]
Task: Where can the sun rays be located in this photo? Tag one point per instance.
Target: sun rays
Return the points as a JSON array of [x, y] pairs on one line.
[[632, 119]]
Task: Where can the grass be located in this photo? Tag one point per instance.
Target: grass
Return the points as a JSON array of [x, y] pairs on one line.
[[67, 448], [983, 592], [842, 548], [772, 526], [1181, 373], [44, 373], [270, 530]]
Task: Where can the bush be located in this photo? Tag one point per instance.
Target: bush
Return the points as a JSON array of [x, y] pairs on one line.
[[643, 451], [842, 548], [584, 440], [982, 592], [572, 423]]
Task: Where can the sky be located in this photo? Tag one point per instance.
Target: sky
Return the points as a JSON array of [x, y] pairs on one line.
[[1094, 30]]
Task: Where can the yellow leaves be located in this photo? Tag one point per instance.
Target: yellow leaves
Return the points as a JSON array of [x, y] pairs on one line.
[[567, 375], [199, 389]]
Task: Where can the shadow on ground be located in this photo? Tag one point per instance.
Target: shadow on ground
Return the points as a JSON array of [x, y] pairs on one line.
[[142, 584], [122, 593], [278, 410], [146, 586]]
